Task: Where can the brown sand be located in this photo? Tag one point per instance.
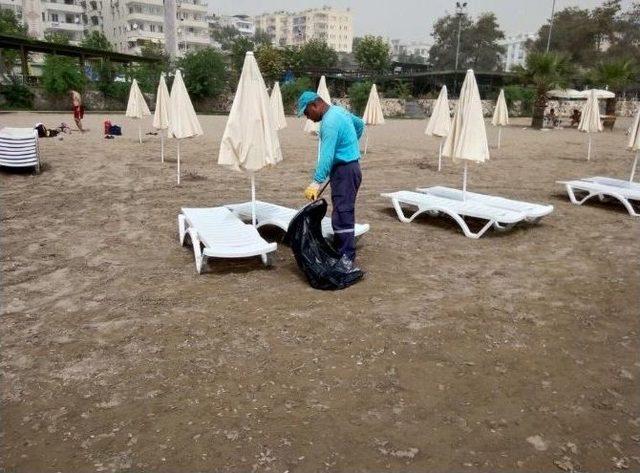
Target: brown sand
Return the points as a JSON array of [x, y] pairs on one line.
[[518, 351]]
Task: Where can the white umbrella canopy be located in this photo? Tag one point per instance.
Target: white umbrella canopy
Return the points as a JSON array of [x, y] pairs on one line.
[[440, 121], [278, 107], [183, 122], [600, 93], [634, 142], [467, 139], [500, 115], [136, 106], [250, 139], [161, 113], [323, 92], [565, 94], [590, 119], [372, 113]]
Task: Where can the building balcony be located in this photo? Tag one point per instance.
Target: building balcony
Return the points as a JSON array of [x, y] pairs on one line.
[[194, 39], [190, 6], [61, 26], [193, 24], [137, 35], [145, 18], [158, 3], [62, 7]]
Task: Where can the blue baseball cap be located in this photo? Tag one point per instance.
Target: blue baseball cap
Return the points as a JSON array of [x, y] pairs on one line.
[[305, 99]]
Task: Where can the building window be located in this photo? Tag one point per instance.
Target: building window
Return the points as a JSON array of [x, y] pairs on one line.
[[54, 17]]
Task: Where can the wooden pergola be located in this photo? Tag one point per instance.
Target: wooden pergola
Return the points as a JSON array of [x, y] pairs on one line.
[[29, 45]]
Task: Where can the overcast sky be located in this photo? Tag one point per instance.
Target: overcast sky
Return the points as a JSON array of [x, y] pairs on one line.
[[412, 19]]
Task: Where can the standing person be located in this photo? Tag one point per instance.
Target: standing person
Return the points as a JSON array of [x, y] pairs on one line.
[[78, 108], [338, 160]]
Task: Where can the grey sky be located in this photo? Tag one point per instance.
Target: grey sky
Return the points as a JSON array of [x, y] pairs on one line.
[[412, 19]]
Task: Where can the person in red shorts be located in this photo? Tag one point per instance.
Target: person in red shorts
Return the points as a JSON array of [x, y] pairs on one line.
[[78, 109]]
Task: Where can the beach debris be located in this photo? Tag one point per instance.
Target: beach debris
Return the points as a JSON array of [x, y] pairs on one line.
[[538, 443]]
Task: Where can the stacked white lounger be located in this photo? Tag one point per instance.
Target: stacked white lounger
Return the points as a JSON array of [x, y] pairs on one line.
[[279, 216], [498, 212], [19, 148], [627, 192], [216, 232]]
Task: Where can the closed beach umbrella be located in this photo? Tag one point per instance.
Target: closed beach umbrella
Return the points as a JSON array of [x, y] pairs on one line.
[[634, 142], [440, 121], [278, 107], [500, 115], [590, 119], [467, 139], [161, 114], [372, 112], [250, 139], [136, 106], [183, 122], [323, 92]]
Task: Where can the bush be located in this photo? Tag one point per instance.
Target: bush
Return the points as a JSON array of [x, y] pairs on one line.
[[525, 95], [60, 75], [358, 96], [399, 90], [204, 73], [17, 95], [270, 62], [292, 90]]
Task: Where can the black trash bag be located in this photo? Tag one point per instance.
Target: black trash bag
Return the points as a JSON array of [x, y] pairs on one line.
[[319, 262]]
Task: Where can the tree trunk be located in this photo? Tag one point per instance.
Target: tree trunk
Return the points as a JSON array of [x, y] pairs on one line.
[[539, 106], [611, 106]]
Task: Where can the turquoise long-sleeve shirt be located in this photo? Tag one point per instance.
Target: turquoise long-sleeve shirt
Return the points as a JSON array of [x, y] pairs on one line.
[[340, 131]]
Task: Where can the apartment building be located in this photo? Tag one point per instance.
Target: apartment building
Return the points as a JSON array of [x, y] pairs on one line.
[[129, 24], [516, 51], [328, 24], [243, 23]]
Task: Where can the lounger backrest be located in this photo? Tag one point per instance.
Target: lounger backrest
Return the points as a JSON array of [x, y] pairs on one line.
[[18, 147]]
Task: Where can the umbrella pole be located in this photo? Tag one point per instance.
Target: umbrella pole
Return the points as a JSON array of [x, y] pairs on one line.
[[253, 199], [633, 168], [499, 136], [440, 155], [178, 162], [589, 149], [366, 141], [140, 133], [464, 181], [161, 146]]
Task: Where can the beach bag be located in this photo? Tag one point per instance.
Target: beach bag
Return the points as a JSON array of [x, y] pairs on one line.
[[320, 263], [115, 130]]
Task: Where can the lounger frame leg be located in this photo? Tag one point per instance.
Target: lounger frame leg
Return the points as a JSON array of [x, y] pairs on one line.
[[181, 228], [623, 200], [267, 259], [197, 250]]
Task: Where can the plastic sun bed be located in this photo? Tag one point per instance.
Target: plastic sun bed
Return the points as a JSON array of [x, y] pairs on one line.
[[19, 148], [279, 216], [626, 192], [216, 232], [449, 202]]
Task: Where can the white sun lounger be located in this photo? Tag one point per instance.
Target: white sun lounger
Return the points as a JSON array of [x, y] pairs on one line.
[[19, 148], [627, 193], [222, 234], [498, 218], [533, 212], [279, 216]]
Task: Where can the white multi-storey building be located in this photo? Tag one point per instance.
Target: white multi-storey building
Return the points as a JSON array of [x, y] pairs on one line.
[[331, 25], [243, 23], [129, 24], [516, 51], [50, 16], [398, 48]]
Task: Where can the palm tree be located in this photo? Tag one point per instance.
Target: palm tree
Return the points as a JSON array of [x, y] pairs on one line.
[[616, 75], [545, 71]]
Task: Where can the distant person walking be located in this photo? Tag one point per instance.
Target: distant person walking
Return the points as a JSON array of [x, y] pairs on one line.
[[78, 108]]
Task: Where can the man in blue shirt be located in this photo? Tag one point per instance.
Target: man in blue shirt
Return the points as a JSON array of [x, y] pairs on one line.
[[338, 160]]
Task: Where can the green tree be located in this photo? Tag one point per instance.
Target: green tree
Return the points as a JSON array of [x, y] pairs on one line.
[[291, 58], [261, 37], [316, 54], [373, 54], [58, 37], [204, 73], [479, 48], [239, 49], [270, 61], [358, 96], [626, 44], [148, 74], [292, 90], [615, 74], [545, 71], [96, 40], [9, 25], [61, 74], [225, 36]]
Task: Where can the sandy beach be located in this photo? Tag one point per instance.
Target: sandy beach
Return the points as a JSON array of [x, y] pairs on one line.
[[514, 352]]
